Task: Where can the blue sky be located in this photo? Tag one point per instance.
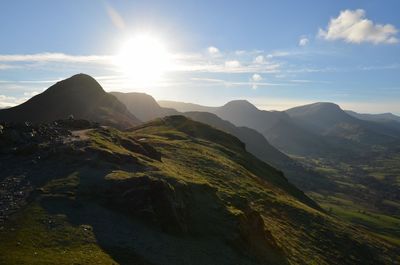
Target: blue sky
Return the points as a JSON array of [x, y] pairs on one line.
[[277, 54]]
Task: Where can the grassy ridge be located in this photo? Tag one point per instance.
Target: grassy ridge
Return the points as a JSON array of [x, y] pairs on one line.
[[174, 191]]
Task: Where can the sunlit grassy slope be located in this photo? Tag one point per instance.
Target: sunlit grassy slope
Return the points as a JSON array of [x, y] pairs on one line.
[[365, 194], [173, 191]]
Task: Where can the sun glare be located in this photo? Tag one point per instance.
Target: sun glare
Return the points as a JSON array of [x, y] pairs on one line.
[[144, 60]]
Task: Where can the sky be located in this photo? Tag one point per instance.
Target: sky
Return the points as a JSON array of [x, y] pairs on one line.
[[276, 54]]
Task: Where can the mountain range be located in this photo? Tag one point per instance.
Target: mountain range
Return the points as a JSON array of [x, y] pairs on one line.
[[319, 129]]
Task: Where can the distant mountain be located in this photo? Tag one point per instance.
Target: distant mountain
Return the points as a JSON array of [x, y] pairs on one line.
[[329, 119], [320, 117], [143, 106], [374, 117], [387, 119], [319, 129], [243, 113], [276, 126], [185, 107], [80, 96]]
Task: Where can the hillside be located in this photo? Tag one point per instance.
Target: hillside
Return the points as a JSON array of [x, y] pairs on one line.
[[146, 108], [143, 106], [80, 96], [168, 192], [257, 145]]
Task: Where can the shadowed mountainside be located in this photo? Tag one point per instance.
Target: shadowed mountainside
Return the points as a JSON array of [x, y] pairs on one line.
[[143, 106], [80, 96]]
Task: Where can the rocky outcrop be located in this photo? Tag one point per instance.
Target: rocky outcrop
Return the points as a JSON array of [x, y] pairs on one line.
[[153, 200], [185, 209]]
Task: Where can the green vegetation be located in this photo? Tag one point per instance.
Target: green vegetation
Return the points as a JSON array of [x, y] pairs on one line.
[[36, 237], [169, 192], [363, 194]]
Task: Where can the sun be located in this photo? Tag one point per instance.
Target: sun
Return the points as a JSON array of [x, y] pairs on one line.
[[143, 59]]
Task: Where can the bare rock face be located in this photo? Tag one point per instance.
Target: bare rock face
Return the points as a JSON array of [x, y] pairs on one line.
[[257, 240], [153, 200]]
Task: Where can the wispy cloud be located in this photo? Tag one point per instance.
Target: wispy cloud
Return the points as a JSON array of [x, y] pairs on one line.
[[379, 67], [7, 101], [250, 83], [55, 57], [7, 66], [232, 64], [352, 26], [115, 17], [30, 81]]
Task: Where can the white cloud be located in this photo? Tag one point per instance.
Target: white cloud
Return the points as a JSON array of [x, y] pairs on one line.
[[278, 54], [260, 59], [31, 94], [256, 78], [213, 50], [232, 64], [303, 41], [54, 57], [353, 27], [7, 101], [228, 83], [240, 52]]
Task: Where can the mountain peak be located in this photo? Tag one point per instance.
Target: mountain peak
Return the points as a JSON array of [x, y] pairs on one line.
[[330, 105], [79, 83], [79, 95], [322, 108], [240, 103]]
